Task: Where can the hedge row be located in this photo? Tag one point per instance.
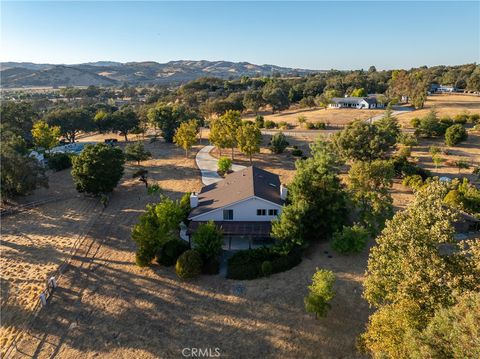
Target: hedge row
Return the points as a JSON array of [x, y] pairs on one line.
[[260, 262]]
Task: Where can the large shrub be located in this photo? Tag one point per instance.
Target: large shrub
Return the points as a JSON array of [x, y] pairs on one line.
[[59, 161], [158, 225], [320, 293], [461, 118], [170, 251], [136, 152], [270, 124], [297, 152], [408, 139], [350, 239], [185, 205], [455, 134], [415, 182], [250, 264], [309, 126], [224, 165], [403, 167], [208, 241], [278, 143], [431, 126], [260, 121], [189, 264]]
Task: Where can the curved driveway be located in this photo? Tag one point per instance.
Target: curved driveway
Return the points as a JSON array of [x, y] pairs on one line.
[[208, 166]]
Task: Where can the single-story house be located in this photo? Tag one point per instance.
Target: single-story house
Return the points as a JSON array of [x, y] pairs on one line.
[[356, 102], [243, 205], [442, 88]]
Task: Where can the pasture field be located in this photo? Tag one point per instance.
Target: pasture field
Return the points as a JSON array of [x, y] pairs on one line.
[[107, 306], [35, 242], [444, 105], [333, 116]]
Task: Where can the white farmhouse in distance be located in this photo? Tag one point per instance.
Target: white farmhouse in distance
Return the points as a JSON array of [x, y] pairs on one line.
[[243, 205], [356, 102]]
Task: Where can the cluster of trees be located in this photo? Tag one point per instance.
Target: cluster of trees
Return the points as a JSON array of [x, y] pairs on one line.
[[421, 282], [158, 225], [321, 206], [463, 195], [157, 237], [168, 118], [451, 128], [214, 97], [229, 131], [20, 173], [97, 170]]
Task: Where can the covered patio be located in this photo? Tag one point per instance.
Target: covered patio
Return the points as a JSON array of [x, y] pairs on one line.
[[240, 235]]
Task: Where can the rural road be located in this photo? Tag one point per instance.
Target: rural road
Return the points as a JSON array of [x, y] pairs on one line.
[[208, 166]]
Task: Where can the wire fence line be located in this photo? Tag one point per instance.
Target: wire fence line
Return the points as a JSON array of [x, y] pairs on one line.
[[306, 133], [50, 284]]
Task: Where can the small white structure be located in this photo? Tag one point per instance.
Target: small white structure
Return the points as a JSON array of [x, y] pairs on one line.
[[283, 192], [193, 200], [38, 156]]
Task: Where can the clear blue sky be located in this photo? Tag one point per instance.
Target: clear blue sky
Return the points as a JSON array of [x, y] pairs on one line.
[[316, 35]]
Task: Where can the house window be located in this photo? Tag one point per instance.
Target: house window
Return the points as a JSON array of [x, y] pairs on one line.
[[261, 212], [228, 214], [273, 212]]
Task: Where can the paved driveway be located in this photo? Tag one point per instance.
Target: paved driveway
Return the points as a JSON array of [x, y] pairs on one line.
[[208, 166], [396, 110]]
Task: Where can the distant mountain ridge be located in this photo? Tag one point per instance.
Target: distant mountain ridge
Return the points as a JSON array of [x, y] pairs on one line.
[[108, 73]]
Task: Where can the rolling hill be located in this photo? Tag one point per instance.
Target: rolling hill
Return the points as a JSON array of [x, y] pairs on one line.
[[109, 73]]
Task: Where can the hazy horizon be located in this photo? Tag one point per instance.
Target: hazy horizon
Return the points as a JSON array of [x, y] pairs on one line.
[[306, 35]]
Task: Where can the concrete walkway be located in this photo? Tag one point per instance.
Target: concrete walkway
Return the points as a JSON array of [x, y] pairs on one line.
[[208, 166]]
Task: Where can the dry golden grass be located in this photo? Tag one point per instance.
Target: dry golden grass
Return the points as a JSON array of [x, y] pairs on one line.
[[111, 308], [332, 116], [468, 151], [114, 309], [34, 243], [444, 105]]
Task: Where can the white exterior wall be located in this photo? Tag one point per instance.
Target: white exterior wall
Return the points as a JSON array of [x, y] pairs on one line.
[[243, 211], [363, 104]]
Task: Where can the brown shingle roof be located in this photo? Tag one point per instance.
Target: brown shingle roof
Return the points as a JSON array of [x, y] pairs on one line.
[[237, 186]]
